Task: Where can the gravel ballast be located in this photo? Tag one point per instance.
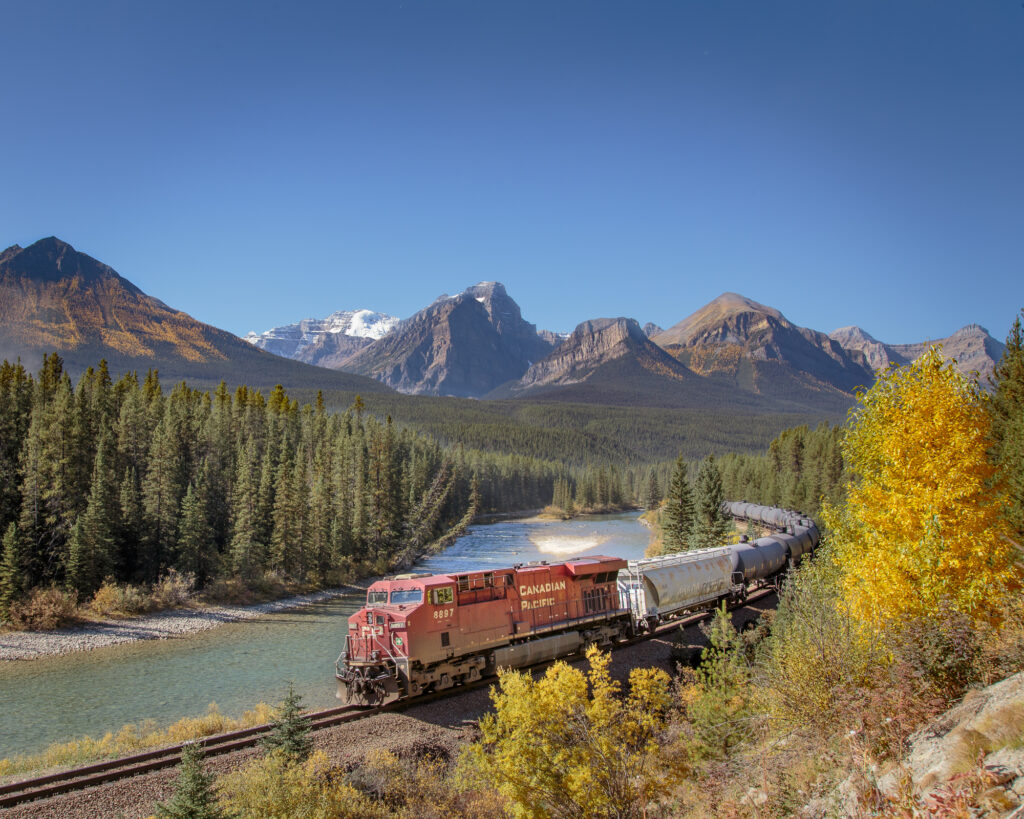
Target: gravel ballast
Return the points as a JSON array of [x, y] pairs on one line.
[[31, 645]]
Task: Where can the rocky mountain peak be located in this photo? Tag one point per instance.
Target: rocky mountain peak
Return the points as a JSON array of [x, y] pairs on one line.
[[464, 345], [53, 260], [596, 343], [758, 348], [723, 320]]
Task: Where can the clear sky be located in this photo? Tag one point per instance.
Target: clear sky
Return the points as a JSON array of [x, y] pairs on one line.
[[254, 163]]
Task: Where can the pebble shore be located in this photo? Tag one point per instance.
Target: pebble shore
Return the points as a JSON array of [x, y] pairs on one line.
[[31, 645]]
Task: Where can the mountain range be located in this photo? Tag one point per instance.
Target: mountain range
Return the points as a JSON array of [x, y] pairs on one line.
[[476, 344]]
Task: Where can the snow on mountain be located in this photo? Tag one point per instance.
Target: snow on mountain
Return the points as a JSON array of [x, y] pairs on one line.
[[292, 340]]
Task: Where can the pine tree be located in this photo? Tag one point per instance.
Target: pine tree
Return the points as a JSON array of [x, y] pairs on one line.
[[677, 513], [12, 568], [245, 548], [162, 491], [289, 733], [132, 525], [195, 538], [710, 524], [93, 553], [194, 796]]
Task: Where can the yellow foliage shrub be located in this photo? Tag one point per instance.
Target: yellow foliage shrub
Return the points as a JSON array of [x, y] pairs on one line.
[[314, 789], [553, 747], [113, 598]]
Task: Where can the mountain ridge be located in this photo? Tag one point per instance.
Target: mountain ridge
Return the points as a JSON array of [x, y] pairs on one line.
[[54, 298], [973, 348]]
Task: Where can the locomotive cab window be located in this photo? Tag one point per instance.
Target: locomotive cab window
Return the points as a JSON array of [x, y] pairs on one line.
[[377, 598], [441, 596], [405, 596]]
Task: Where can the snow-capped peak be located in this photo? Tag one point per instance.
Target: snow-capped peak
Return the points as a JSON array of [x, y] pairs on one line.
[[291, 339]]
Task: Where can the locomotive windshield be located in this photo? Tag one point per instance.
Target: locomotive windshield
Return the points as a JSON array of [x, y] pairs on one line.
[[406, 596], [377, 598]]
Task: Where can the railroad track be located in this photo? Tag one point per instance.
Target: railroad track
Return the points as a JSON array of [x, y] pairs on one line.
[[43, 787]]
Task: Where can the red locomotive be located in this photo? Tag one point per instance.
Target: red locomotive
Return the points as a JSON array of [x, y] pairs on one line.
[[422, 632]]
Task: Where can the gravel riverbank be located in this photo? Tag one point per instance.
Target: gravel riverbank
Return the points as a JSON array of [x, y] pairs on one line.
[[31, 645]]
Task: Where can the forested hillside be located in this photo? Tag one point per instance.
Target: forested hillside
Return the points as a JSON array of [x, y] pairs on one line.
[[581, 434], [124, 480]]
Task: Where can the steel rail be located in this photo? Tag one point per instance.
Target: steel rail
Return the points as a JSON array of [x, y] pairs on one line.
[[43, 787]]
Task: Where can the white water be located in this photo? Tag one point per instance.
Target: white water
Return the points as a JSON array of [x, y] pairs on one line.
[[567, 545]]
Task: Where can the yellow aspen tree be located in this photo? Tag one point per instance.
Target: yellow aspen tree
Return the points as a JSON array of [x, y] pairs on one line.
[[923, 521], [569, 745]]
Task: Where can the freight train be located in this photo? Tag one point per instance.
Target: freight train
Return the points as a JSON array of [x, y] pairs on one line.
[[422, 632]]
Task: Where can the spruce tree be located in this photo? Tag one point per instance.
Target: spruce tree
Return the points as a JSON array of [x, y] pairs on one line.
[[677, 513], [289, 733], [245, 549], [195, 538], [194, 796], [132, 526], [12, 568], [93, 552], [710, 524], [162, 490]]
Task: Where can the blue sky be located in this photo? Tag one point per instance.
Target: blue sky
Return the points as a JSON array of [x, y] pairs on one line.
[[255, 163]]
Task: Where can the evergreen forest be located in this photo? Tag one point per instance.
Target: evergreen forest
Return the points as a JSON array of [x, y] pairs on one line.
[[126, 481]]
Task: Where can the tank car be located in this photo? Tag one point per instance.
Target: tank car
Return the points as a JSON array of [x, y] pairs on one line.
[[657, 589], [422, 632]]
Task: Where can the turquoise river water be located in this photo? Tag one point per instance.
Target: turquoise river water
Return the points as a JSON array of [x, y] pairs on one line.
[[240, 664]]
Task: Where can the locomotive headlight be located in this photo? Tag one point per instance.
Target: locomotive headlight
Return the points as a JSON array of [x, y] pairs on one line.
[[399, 641]]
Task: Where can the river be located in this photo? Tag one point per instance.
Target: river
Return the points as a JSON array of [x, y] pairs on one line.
[[240, 664]]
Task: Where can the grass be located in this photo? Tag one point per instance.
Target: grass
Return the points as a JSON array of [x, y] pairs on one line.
[[133, 738]]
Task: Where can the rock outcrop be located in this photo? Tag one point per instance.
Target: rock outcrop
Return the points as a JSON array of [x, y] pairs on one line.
[[972, 756]]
